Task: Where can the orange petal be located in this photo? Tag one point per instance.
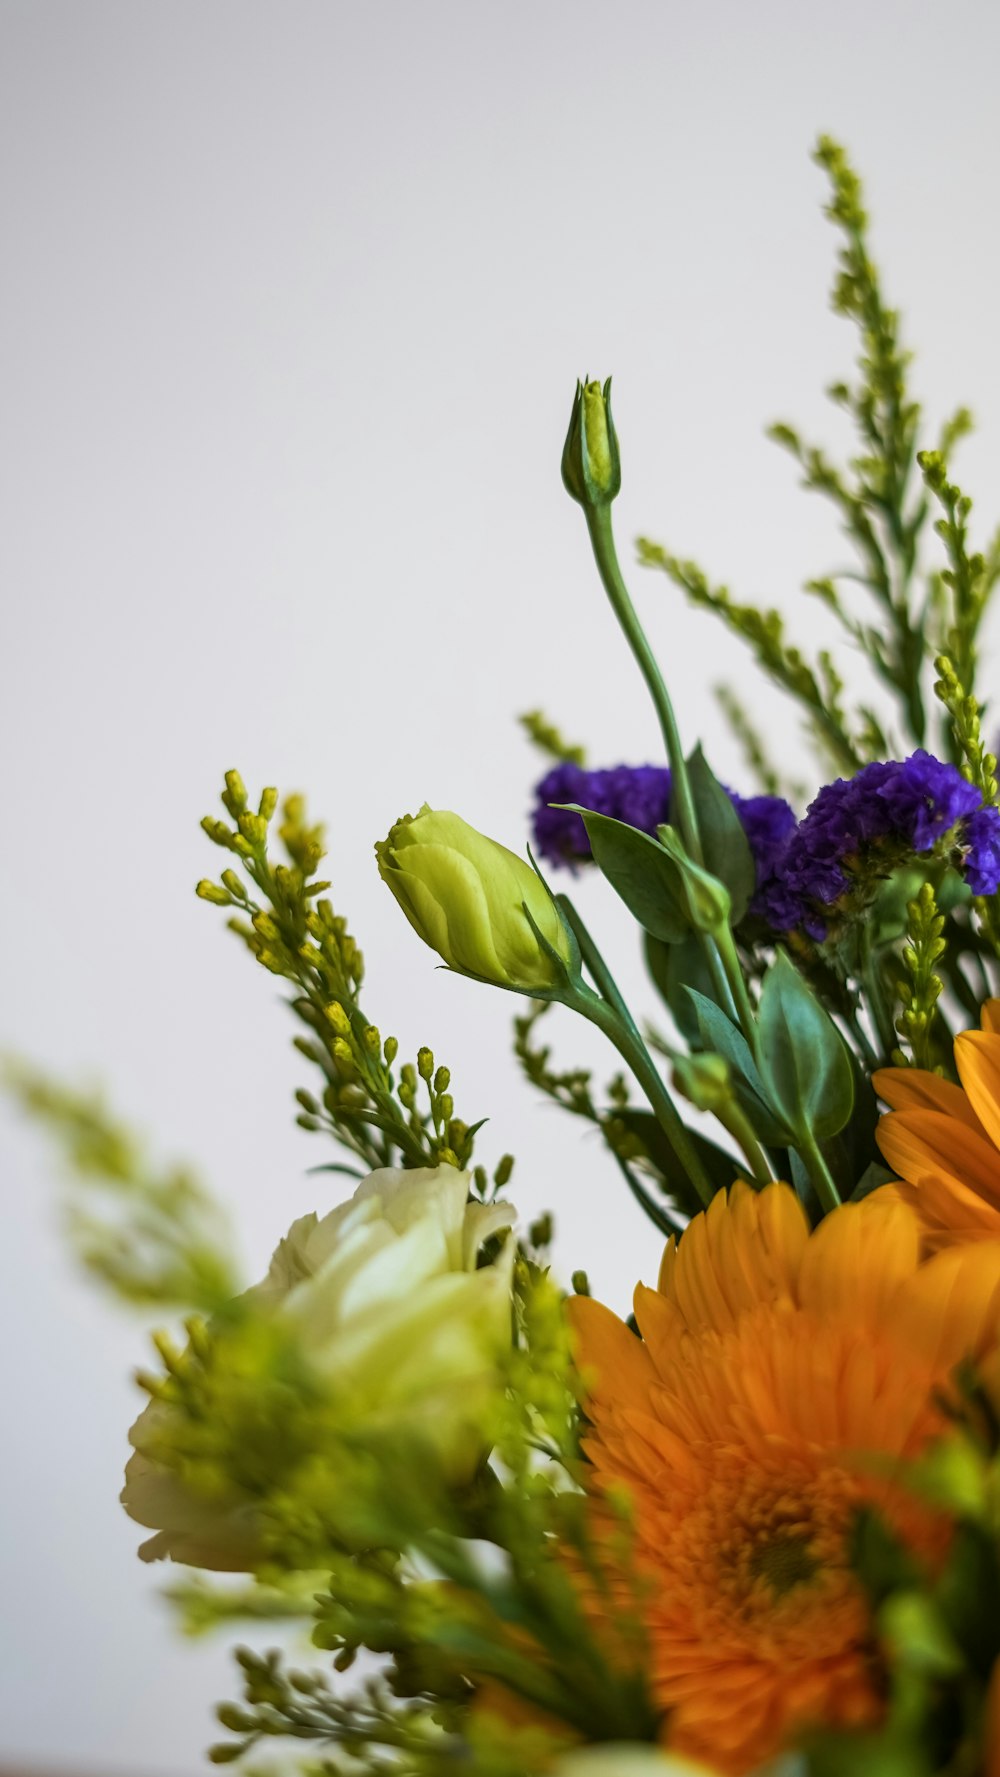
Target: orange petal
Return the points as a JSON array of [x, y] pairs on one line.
[[743, 1250], [618, 1365], [977, 1057], [950, 1309], [948, 1211], [858, 1258], [915, 1088], [989, 1017], [919, 1142]]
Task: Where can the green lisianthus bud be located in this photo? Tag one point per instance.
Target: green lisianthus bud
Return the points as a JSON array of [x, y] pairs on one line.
[[376, 1328], [705, 900], [591, 466], [466, 896], [705, 1080]]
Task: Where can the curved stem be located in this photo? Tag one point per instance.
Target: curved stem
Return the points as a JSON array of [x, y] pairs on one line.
[[820, 1173], [608, 1011], [606, 556]]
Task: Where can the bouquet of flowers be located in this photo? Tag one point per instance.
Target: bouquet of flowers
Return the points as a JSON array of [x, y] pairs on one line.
[[755, 1526]]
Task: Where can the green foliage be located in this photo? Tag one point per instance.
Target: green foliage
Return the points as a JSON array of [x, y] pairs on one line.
[[383, 1118], [753, 746], [803, 1060], [724, 844], [152, 1236], [550, 741], [970, 579], [937, 1624], [817, 689], [978, 765], [882, 515]]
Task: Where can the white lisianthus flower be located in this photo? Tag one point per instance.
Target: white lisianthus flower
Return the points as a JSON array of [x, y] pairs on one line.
[[396, 1332]]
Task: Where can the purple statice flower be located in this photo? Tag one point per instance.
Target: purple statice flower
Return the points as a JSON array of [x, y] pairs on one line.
[[859, 829], [636, 794], [640, 796]]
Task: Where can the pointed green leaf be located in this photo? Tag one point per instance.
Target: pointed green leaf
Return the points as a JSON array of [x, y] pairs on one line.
[[724, 843], [804, 1062], [640, 871], [717, 1032]]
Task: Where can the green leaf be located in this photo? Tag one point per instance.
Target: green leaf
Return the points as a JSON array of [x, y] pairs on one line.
[[804, 1063], [640, 871], [717, 1032], [724, 843], [722, 1168], [674, 968]]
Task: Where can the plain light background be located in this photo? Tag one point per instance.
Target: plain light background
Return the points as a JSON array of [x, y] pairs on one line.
[[294, 297]]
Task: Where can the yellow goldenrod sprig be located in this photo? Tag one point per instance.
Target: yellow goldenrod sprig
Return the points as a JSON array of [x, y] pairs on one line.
[[550, 740], [977, 765], [152, 1236], [292, 930], [921, 986], [817, 689]]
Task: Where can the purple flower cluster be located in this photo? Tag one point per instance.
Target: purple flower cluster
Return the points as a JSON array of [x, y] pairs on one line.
[[858, 829], [640, 796], [855, 832]]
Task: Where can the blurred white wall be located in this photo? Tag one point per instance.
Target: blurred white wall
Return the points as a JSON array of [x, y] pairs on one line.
[[294, 298]]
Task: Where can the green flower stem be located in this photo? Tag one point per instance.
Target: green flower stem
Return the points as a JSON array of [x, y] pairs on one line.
[[878, 1005], [737, 987], [734, 1118], [608, 1011], [819, 1172], [606, 556], [722, 961]]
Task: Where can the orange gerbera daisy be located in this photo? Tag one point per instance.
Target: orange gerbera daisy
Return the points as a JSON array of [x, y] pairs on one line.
[[772, 1361], [944, 1140]]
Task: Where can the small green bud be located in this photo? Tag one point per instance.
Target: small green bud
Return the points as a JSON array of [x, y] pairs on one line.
[[505, 1167], [442, 1079], [218, 832], [704, 1080], [268, 803], [581, 1283], [425, 1063], [232, 882], [446, 1106], [706, 901], [591, 467], [210, 891], [253, 828], [466, 896], [373, 1039], [390, 1050], [338, 1018], [236, 793], [540, 1232]]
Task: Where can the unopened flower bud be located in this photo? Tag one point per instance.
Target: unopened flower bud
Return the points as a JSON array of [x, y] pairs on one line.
[[704, 1080], [591, 467], [466, 896]]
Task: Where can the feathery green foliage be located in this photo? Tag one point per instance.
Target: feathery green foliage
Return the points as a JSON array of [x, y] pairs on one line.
[[152, 1236]]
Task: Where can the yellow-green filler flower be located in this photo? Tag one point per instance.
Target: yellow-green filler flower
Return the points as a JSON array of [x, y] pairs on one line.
[[466, 896], [373, 1325]]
